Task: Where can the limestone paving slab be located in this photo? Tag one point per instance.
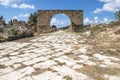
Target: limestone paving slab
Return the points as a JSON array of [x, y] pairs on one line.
[[57, 56]]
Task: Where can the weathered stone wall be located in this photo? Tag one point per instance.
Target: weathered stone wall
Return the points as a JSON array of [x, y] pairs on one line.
[[18, 23], [44, 18]]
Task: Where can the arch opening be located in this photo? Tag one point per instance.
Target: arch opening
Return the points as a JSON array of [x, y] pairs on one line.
[[60, 21]]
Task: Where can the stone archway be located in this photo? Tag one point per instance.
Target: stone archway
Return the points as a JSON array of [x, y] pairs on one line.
[[44, 17]]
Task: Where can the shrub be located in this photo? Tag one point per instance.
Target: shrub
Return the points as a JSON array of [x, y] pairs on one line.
[[1, 29], [13, 31], [2, 38], [53, 26]]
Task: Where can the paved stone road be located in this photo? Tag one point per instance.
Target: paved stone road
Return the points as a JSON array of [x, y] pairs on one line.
[[56, 56]]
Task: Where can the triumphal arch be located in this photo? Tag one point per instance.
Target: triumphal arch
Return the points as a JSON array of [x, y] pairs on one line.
[[44, 18]]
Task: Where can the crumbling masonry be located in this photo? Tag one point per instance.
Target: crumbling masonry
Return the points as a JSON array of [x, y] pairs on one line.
[[44, 18]]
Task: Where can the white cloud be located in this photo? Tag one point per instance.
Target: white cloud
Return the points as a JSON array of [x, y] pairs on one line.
[[96, 20], [109, 5], [87, 21], [59, 23], [15, 17], [24, 15], [23, 6], [106, 20], [105, 0], [16, 4], [54, 20], [6, 2], [21, 16], [97, 10]]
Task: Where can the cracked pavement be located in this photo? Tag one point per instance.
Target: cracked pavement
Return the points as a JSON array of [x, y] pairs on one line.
[[56, 56]]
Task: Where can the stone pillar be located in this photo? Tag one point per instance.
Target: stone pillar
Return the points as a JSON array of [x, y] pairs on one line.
[[43, 29]]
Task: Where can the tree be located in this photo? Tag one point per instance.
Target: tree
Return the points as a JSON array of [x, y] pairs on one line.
[[117, 15], [11, 22], [53, 26], [33, 20], [1, 17]]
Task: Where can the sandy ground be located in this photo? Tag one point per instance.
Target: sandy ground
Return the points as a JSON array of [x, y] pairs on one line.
[[56, 56]]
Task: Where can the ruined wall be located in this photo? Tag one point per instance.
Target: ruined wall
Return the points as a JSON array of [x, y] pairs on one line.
[[17, 23], [44, 18]]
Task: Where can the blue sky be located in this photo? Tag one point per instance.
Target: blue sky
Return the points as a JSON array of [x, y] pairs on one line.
[[95, 11]]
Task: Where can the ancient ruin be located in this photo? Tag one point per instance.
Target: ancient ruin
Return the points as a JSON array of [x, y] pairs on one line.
[[18, 23], [44, 17]]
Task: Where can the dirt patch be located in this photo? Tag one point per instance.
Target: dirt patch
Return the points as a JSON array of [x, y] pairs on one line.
[[110, 52], [2, 66], [29, 38], [7, 55], [60, 63], [38, 71], [67, 78], [97, 72], [70, 55]]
